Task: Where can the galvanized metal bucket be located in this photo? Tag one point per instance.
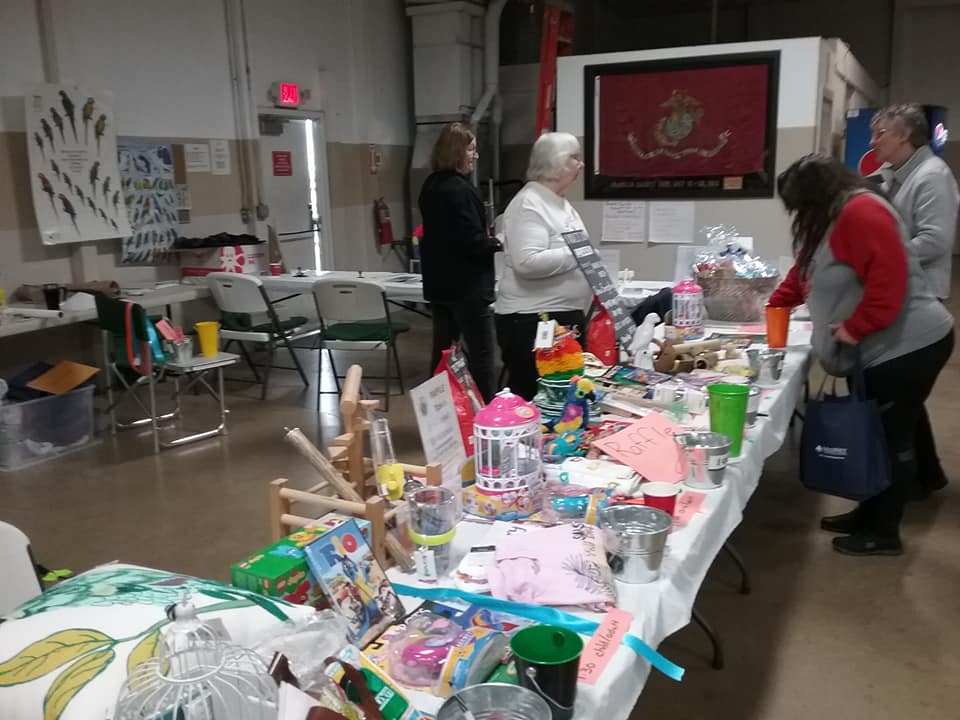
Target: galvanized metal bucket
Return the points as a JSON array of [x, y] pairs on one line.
[[495, 701], [771, 366], [707, 455], [636, 539], [753, 406]]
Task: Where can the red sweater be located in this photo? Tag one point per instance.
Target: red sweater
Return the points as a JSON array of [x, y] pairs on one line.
[[866, 237]]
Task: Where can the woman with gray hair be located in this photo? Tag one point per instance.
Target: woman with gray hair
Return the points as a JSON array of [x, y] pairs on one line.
[[540, 274]]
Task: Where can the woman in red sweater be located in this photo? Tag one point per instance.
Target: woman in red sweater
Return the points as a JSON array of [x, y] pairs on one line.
[[867, 295]]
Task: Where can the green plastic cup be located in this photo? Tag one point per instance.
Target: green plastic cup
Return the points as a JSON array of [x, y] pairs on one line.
[[728, 412]]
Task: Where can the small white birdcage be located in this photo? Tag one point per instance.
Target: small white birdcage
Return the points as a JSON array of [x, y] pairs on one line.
[[197, 676], [508, 445]]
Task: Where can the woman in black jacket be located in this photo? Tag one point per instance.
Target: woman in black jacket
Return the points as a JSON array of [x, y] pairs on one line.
[[456, 256]]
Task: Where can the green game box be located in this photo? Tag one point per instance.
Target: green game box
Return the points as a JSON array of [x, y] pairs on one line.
[[280, 570]]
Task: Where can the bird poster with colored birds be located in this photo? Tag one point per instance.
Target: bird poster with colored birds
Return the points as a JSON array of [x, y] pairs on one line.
[[148, 190], [74, 176]]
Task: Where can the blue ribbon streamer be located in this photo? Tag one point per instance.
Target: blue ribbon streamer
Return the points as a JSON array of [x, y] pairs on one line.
[[546, 616]]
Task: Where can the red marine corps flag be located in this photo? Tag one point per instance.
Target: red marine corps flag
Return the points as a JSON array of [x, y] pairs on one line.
[[703, 127]]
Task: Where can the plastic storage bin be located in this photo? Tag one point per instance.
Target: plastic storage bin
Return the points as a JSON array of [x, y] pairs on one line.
[[36, 430]]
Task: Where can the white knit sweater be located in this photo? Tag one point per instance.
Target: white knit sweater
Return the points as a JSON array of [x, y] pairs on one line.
[[540, 273]]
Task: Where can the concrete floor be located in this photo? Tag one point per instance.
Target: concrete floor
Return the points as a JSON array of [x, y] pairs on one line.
[[821, 636]]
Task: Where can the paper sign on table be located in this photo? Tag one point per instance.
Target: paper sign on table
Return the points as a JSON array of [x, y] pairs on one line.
[[167, 331], [689, 504], [753, 329], [603, 645], [648, 447], [63, 377], [439, 429]]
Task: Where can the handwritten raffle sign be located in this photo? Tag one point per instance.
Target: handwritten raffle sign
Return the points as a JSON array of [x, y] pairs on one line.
[[603, 645]]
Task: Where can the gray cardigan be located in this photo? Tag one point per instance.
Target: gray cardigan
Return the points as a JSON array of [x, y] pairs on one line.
[[925, 193], [835, 291]]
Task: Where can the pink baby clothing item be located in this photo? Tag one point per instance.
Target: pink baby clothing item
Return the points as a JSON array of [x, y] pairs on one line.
[[562, 565]]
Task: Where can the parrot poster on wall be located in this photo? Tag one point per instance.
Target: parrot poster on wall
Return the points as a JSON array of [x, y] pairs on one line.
[[149, 192], [72, 147]]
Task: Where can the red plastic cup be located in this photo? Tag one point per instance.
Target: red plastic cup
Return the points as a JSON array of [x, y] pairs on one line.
[[275, 268], [778, 324], [661, 495]]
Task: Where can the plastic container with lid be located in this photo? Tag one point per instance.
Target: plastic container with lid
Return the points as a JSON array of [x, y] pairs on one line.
[[688, 312]]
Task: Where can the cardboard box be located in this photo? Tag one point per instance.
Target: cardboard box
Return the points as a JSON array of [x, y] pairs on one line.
[[280, 570], [246, 259]]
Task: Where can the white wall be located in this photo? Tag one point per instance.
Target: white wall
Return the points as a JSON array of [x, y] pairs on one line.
[[927, 54], [764, 219], [351, 55], [21, 61], [799, 61], [167, 65]]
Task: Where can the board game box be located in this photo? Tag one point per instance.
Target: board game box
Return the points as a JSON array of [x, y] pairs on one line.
[[280, 570]]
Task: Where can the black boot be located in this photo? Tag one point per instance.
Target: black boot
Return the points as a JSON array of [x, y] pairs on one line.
[[867, 544], [845, 524]]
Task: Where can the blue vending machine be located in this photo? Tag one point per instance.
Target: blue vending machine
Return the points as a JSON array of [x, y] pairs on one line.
[[857, 153]]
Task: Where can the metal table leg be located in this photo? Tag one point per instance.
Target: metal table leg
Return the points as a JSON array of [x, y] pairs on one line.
[[221, 429], [718, 662], [738, 560]]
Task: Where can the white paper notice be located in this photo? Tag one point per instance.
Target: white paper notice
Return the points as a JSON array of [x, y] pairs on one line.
[[611, 258], [220, 157], [624, 221], [197, 157], [671, 222], [440, 430]]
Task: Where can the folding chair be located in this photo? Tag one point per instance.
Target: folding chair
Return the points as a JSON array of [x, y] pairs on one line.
[[355, 315], [248, 316], [128, 357], [20, 580]]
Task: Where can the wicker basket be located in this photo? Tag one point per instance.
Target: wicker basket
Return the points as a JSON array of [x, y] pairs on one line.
[[736, 299]]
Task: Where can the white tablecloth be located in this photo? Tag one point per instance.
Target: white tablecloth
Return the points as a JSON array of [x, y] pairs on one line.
[[660, 609]]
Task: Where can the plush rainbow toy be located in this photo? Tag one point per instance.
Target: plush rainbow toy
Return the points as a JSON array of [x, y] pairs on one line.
[[564, 359]]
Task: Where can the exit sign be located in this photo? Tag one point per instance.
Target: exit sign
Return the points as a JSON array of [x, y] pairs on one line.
[[285, 94]]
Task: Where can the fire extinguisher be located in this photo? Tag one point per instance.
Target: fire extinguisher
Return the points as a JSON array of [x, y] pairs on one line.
[[381, 215]]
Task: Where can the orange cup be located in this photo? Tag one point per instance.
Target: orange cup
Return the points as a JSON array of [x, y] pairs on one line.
[[778, 323]]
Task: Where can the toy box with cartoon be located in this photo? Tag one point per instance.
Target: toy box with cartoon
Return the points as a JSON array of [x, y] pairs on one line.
[[433, 653], [353, 582], [280, 570]]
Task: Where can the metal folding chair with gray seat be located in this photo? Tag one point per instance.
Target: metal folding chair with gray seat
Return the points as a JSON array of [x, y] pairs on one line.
[[129, 359], [248, 316], [355, 315]]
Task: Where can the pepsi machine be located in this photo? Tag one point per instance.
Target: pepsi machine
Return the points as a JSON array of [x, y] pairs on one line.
[[857, 154]]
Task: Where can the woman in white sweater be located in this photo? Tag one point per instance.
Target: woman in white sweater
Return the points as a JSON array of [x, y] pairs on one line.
[[540, 274]]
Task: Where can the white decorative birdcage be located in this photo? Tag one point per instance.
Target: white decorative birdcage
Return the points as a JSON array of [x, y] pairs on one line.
[[508, 445], [197, 676]]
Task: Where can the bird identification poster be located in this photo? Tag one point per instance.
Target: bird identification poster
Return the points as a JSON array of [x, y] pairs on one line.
[[74, 177], [149, 191]]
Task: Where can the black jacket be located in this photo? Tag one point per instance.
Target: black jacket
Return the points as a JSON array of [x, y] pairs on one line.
[[456, 253]]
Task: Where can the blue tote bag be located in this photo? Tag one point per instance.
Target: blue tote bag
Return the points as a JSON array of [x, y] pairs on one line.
[[843, 450]]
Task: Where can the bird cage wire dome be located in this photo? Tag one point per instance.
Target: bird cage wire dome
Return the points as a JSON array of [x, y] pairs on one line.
[[197, 676], [508, 444]]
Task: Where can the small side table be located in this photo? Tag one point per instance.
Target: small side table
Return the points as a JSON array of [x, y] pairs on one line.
[[196, 370]]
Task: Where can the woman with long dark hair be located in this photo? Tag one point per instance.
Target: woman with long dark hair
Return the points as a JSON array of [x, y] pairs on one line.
[[456, 256], [866, 293]]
